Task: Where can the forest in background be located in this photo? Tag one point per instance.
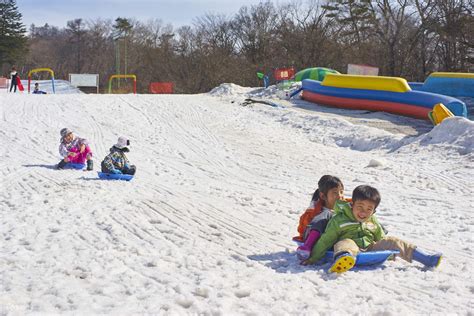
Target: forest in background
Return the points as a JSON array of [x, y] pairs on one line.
[[403, 38]]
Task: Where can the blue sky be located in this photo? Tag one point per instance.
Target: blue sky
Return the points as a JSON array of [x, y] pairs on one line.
[[176, 12]]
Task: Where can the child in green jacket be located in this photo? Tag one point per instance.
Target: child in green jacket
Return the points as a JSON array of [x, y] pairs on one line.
[[355, 228]]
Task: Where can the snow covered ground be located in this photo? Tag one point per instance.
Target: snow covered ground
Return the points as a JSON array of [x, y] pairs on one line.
[[206, 225]]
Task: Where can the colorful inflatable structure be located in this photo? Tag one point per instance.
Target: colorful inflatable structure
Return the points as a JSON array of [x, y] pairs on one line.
[[316, 73], [377, 93], [448, 83], [439, 113]]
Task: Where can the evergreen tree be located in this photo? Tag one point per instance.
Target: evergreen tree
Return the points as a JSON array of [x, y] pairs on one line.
[[12, 33], [122, 28]]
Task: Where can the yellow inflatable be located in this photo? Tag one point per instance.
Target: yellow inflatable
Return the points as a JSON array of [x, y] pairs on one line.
[[439, 113], [380, 83]]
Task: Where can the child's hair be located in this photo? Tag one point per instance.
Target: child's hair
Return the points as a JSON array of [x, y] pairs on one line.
[[325, 184], [366, 192]]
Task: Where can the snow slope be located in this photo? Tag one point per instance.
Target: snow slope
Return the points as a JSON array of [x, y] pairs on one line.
[[206, 225]]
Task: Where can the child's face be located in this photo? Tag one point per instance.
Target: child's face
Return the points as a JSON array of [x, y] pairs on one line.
[[332, 196], [363, 209], [68, 138]]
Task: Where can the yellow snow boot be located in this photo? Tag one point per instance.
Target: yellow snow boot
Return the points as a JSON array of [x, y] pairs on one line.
[[343, 262]]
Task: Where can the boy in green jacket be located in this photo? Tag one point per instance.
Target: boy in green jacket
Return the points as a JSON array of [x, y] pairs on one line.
[[355, 228]]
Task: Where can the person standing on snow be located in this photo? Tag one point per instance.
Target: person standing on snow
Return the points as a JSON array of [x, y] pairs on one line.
[[14, 79]]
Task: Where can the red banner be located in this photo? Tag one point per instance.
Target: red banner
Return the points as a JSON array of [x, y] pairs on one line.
[[161, 87], [284, 73], [3, 83]]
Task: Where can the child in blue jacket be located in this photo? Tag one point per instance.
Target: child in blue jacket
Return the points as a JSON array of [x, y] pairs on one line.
[[116, 161]]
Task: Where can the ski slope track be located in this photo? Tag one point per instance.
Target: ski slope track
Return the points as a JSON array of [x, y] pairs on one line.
[[205, 226]]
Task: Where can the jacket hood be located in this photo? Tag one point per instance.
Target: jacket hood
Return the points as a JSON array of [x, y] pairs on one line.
[[345, 208], [123, 150]]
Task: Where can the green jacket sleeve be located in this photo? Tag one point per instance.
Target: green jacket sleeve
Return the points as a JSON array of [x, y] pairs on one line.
[[327, 240], [379, 233]]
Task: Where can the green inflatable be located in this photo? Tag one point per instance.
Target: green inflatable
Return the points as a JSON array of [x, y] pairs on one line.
[[317, 73]]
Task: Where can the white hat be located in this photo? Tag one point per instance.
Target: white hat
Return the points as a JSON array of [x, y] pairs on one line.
[[122, 142]]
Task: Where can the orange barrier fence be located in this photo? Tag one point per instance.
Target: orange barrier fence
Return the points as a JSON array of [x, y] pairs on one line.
[[161, 87], [3, 83]]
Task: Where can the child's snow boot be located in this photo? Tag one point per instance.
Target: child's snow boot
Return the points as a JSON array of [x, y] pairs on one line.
[[61, 164], [430, 261], [303, 252], [90, 164], [343, 262]]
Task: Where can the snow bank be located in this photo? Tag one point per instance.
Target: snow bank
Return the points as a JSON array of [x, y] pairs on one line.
[[453, 134], [456, 133]]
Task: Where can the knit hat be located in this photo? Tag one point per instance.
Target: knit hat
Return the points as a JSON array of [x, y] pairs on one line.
[[82, 141], [122, 142], [64, 132]]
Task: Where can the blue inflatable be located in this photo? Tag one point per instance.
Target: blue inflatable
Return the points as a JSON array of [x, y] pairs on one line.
[[447, 83], [78, 166], [115, 176], [411, 103]]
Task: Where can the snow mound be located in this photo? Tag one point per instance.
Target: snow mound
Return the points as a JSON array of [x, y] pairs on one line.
[[272, 92], [456, 132], [339, 132], [230, 89]]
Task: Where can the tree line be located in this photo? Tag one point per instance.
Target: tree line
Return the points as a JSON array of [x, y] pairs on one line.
[[405, 38]]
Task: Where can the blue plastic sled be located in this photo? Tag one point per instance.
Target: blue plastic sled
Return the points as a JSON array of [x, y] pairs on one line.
[[368, 258], [115, 176], [78, 166]]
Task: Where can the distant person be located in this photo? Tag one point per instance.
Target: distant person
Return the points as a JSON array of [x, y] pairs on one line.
[[74, 150], [116, 162], [355, 228], [37, 90], [13, 79]]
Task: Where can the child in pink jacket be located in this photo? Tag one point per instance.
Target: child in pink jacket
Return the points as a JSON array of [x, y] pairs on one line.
[[74, 150], [81, 152]]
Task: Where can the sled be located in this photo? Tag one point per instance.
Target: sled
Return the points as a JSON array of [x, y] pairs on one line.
[[77, 166], [364, 258], [249, 101], [19, 84], [439, 113], [115, 176], [368, 258]]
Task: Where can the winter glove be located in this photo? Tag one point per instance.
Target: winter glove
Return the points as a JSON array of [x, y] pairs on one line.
[[116, 171]]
